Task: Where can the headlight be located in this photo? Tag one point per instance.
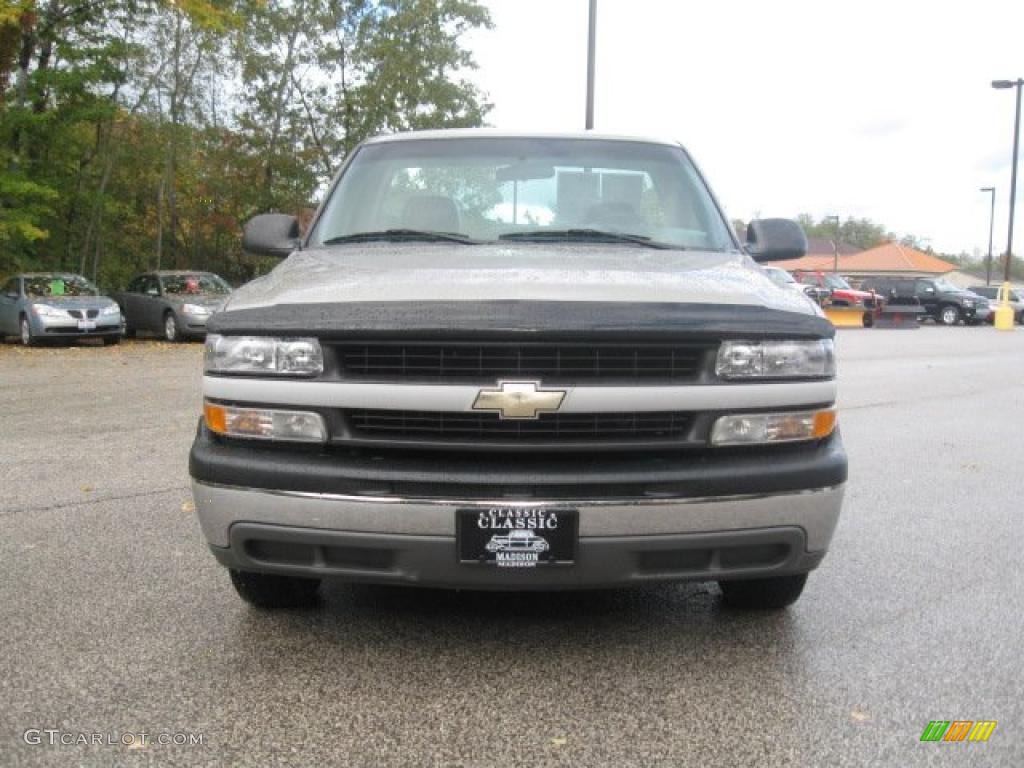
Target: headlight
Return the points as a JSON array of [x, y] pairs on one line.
[[112, 309], [265, 423], [195, 309], [258, 354], [968, 302], [45, 310], [757, 428], [776, 359]]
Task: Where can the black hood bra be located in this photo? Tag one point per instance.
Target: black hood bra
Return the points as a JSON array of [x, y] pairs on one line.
[[522, 319]]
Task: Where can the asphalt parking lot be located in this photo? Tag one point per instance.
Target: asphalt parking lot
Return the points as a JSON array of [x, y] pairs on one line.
[[115, 619]]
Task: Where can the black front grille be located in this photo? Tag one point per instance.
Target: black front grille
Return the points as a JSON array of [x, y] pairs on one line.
[[437, 426], [77, 313], [549, 361]]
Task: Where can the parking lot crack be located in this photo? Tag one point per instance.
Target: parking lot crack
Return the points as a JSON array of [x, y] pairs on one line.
[[94, 500]]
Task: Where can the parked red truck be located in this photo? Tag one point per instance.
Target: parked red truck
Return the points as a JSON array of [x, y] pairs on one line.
[[841, 294]]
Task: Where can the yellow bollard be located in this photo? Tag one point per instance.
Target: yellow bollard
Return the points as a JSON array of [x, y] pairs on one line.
[[1004, 312]]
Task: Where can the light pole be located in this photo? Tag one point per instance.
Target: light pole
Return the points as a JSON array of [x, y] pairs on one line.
[[1004, 313], [1003, 84], [835, 244], [991, 221], [590, 64]]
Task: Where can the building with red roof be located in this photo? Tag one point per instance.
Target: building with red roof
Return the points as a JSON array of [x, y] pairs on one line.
[[885, 259]]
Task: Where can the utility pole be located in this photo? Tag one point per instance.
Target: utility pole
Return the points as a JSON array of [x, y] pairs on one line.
[[835, 244], [1004, 313], [590, 64], [991, 221], [1001, 85]]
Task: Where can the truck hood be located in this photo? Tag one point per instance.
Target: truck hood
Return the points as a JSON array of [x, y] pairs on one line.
[[443, 272], [854, 293]]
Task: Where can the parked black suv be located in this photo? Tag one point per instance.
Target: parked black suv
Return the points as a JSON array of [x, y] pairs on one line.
[[942, 301]]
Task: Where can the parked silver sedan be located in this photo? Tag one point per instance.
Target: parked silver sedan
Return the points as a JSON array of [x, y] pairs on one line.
[[174, 304], [57, 305], [1016, 299]]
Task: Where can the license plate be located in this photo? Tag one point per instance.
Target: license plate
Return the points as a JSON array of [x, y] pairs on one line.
[[516, 537], [87, 325]]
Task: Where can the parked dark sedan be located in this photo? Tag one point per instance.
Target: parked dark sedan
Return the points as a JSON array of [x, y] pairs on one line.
[[56, 305], [174, 304]]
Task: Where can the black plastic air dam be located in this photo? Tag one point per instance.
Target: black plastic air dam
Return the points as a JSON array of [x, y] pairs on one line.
[[510, 320], [444, 475]]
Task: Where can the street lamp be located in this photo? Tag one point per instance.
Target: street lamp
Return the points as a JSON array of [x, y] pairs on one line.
[[991, 221], [591, 45], [1003, 85], [835, 244]]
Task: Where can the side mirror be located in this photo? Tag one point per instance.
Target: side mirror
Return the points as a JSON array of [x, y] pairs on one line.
[[12, 296], [152, 291], [775, 239], [271, 234]]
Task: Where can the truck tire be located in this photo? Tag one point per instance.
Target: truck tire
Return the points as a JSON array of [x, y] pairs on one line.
[[949, 314], [268, 590], [769, 594]]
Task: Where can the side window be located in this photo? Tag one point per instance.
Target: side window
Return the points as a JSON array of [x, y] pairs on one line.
[[150, 285], [135, 285], [924, 288]]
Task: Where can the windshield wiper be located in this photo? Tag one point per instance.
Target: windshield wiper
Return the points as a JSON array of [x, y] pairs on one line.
[[589, 236], [403, 235]]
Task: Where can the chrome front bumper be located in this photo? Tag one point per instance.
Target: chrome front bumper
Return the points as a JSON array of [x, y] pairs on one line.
[[391, 540]]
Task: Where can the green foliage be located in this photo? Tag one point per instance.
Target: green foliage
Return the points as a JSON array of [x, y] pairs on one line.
[[144, 133], [862, 233]]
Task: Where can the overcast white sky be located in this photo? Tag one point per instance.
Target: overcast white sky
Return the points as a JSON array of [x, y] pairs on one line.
[[877, 109]]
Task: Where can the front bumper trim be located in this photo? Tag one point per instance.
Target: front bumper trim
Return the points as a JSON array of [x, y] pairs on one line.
[[220, 507], [430, 561]]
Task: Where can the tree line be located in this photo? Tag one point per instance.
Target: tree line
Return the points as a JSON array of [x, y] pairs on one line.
[[140, 134]]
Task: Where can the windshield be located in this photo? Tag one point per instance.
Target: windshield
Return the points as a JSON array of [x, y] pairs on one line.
[[835, 281], [488, 189], [188, 285], [56, 286], [780, 276], [946, 286]]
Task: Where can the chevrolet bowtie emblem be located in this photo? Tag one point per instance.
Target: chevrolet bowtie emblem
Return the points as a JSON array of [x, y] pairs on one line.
[[519, 399]]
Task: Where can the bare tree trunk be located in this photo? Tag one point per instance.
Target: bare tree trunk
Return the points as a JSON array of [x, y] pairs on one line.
[[97, 215], [28, 23], [171, 165], [160, 224], [325, 157], [283, 89]]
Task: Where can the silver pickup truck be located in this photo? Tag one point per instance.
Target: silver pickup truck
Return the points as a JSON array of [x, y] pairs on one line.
[[519, 362]]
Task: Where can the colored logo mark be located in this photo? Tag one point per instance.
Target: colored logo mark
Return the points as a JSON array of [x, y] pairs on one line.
[[958, 730]]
